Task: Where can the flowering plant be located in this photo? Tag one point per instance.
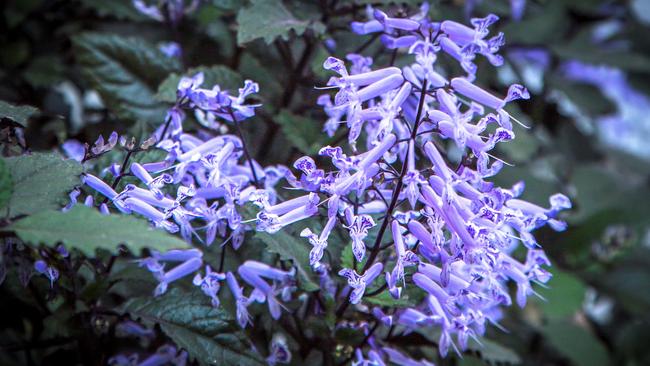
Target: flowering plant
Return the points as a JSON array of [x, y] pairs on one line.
[[376, 229]]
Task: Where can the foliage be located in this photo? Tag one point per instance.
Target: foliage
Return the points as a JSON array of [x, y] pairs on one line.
[[209, 335], [40, 181], [125, 71], [87, 230]]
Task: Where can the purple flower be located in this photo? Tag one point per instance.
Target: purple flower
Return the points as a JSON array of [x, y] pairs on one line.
[[74, 150], [210, 284], [154, 184], [253, 273], [129, 328], [279, 350], [318, 242], [151, 11], [191, 261], [399, 358], [274, 218], [171, 49], [184, 269], [157, 217], [46, 270], [359, 283], [404, 258], [358, 226], [241, 301], [105, 190]]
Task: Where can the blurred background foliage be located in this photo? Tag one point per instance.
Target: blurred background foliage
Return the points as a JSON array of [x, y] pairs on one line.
[[74, 69]]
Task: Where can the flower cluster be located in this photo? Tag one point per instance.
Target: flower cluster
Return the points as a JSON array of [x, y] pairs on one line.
[[455, 237], [453, 230], [210, 184]]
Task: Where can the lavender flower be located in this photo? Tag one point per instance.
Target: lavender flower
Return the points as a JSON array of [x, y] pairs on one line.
[[253, 273], [358, 226], [46, 270], [359, 283], [319, 242], [279, 351], [241, 301], [190, 262], [166, 10], [210, 284]]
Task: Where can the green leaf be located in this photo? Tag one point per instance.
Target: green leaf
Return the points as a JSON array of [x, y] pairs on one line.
[[626, 281], [125, 72], [305, 133], [207, 333], [595, 193], [348, 335], [289, 247], [547, 25], [45, 71], [226, 78], [87, 230], [267, 19], [411, 296], [120, 9], [348, 259], [627, 61], [564, 296], [493, 353], [6, 184], [41, 182], [576, 343], [18, 114]]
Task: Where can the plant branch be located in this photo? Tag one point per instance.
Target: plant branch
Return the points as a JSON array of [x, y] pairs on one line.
[[393, 201], [243, 143]]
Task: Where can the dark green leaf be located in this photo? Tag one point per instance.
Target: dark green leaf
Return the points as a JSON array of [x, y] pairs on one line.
[[628, 281], [267, 19], [600, 189], [564, 297], [220, 75], [493, 353], [348, 335], [288, 247], [594, 55], [126, 72], [41, 182], [227, 4], [576, 343], [87, 230], [547, 25], [120, 9], [6, 184], [411, 296], [207, 333], [45, 71], [347, 258], [306, 134], [18, 114]]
